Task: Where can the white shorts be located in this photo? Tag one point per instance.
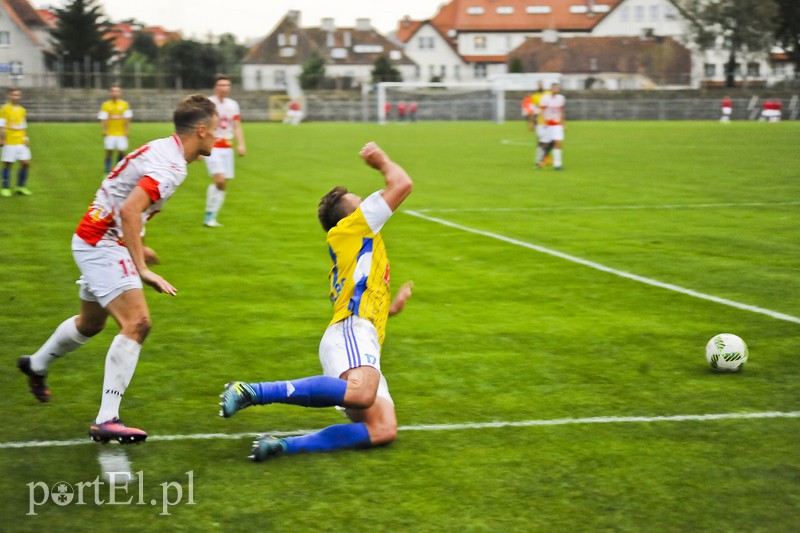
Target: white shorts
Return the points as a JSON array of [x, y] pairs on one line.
[[220, 162], [106, 271], [727, 110], [554, 133], [15, 152], [116, 142], [541, 132], [351, 343]]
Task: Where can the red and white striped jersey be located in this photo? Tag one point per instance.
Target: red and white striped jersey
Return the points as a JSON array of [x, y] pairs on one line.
[[158, 167], [228, 111]]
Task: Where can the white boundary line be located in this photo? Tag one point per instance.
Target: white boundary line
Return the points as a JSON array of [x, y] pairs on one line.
[[603, 268], [607, 207], [440, 427]]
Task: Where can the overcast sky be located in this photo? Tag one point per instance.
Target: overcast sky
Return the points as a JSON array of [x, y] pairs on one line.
[[252, 19]]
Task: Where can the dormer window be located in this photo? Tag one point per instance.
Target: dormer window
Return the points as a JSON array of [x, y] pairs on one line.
[[505, 10], [475, 10]]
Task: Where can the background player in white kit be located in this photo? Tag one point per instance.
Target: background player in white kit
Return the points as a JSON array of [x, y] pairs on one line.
[[552, 106], [107, 246], [220, 162]]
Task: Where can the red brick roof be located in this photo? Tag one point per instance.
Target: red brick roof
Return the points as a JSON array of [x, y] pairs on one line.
[[663, 60], [514, 15]]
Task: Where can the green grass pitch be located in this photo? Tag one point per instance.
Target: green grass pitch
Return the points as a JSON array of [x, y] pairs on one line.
[[495, 332]]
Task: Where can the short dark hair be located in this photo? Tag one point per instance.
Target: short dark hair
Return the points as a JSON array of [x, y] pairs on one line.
[[220, 77], [193, 110], [331, 208], [12, 89]]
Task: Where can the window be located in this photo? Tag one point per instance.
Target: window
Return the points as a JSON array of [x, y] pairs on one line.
[[474, 11], [281, 39], [443, 71], [258, 79], [537, 10], [457, 72], [395, 55], [339, 53], [710, 70], [505, 10], [638, 13], [280, 78], [293, 39], [480, 70], [655, 11], [348, 40], [670, 13], [426, 43], [480, 42], [625, 13], [431, 72], [578, 9], [754, 70], [593, 63], [5, 38]]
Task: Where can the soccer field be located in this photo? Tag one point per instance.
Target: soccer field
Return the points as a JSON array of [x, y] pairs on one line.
[[548, 373]]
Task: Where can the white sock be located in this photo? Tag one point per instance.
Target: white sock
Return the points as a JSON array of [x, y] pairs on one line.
[[64, 339], [556, 157], [120, 364], [214, 200], [539, 154]]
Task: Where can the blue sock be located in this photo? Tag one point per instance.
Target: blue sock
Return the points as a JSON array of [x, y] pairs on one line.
[[108, 164], [316, 391], [329, 439], [6, 177], [22, 176]]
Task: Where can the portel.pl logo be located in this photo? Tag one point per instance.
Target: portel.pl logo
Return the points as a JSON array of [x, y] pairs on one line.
[[118, 490]]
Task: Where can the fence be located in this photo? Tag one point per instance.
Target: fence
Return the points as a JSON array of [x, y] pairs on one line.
[[81, 105]]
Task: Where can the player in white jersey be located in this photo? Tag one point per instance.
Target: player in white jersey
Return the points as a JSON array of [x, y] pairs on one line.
[[220, 162], [107, 246], [552, 106]]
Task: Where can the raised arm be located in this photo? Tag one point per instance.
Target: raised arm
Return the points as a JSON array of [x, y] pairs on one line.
[[398, 183]]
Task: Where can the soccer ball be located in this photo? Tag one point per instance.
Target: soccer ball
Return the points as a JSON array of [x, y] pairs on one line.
[[726, 353]]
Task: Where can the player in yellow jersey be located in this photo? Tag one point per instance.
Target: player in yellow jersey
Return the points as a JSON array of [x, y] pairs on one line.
[[350, 349], [115, 116], [15, 143]]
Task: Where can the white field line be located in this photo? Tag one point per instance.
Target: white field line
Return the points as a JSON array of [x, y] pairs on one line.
[[603, 268], [606, 207], [440, 427]]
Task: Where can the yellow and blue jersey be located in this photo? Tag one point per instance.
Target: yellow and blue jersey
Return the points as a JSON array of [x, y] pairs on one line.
[[117, 114], [359, 278], [13, 119]]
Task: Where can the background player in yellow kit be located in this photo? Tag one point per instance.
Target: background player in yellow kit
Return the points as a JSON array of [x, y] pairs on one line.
[[115, 116], [15, 143], [350, 349]]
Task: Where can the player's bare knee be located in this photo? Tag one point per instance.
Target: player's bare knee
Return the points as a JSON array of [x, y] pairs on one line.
[[382, 432], [138, 329], [89, 328]]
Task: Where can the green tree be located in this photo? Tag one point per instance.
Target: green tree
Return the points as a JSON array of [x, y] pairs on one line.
[[231, 53], [382, 70], [788, 32], [144, 44], [313, 74], [738, 26], [515, 65], [79, 44], [139, 71], [192, 64]]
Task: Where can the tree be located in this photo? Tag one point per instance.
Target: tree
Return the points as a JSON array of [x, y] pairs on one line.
[[313, 73], [737, 26], [192, 63], [384, 71], [140, 69], [788, 31], [79, 43], [231, 53], [515, 65], [144, 44]]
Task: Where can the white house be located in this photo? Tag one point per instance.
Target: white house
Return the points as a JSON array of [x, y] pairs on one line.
[[24, 37], [275, 63]]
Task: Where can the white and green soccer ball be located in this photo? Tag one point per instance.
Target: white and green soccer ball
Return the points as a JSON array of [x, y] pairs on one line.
[[726, 352]]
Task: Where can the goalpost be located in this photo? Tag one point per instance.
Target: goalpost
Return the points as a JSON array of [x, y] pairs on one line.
[[491, 92]]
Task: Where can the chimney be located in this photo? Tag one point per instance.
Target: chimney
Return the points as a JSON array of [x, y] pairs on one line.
[[294, 15], [363, 24], [328, 24]]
